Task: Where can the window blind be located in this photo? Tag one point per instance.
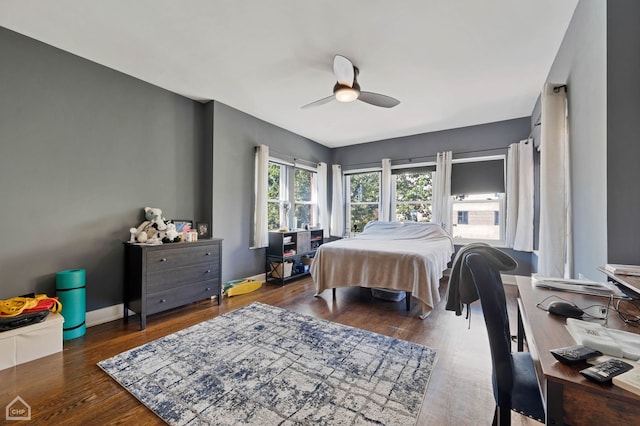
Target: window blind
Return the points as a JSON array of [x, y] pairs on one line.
[[420, 169], [477, 177]]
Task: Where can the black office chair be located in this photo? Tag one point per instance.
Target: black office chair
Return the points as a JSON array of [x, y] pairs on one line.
[[515, 386]]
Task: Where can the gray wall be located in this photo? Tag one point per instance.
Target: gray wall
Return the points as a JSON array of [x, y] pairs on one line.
[[581, 64], [235, 136], [623, 128], [83, 149], [472, 141]]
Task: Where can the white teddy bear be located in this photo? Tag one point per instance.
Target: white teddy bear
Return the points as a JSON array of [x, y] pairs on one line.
[[152, 230]]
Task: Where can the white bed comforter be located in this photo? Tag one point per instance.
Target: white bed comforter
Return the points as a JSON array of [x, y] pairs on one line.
[[406, 256]]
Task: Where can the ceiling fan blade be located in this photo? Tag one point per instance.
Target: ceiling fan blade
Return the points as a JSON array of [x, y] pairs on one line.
[[377, 99], [318, 102], [344, 71]]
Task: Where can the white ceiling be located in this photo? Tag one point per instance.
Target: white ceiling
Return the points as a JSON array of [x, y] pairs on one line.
[[451, 63]]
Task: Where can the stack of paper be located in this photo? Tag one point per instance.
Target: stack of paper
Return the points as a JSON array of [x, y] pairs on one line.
[[577, 286], [618, 343], [623, 269], [629, 381]]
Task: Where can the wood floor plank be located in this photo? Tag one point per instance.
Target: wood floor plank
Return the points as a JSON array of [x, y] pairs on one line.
[[69, 388]]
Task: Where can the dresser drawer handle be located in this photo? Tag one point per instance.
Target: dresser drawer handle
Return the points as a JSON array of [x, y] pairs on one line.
[[163, 300], [208, 289], [164, 259], [207, 254], [208, 271]]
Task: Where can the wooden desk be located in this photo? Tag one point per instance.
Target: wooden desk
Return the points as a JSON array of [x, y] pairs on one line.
[[630, 282], [569, 398]]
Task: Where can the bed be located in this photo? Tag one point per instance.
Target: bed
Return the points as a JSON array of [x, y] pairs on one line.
[[406, 256]]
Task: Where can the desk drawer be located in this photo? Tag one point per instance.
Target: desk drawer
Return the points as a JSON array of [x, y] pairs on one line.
[[179, 277], [169, 258], [169, 299]]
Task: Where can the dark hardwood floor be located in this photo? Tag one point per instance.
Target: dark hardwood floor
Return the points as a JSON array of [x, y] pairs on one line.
[[68, 388]]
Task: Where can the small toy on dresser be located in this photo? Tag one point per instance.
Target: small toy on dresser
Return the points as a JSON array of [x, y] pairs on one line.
[[156, 229]]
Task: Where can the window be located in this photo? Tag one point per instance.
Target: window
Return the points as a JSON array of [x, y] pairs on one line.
[[305, 209], [363, 199], [476, 216], [463, 217], [413, 189], [276, 193], [281, 211], [477, 188]]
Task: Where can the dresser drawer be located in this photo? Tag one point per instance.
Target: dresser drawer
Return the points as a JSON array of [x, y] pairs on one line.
[[161, 277], [179, 277], [182, 255], [168, 299]]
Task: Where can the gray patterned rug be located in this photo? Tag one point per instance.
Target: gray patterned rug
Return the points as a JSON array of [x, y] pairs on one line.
[[264, 365]]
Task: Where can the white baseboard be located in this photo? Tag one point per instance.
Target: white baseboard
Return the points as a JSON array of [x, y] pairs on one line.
[[260, 277], [116, 312], [102, 315]]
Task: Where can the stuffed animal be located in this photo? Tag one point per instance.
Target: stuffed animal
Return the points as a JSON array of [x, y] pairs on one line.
[[153, 229], [170, 234], [154, 215]]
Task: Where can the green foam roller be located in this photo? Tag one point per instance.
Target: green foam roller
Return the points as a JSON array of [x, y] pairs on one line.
[[72, 293]]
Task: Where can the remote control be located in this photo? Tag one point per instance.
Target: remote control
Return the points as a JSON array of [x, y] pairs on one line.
[[604, 372], [574, 354]]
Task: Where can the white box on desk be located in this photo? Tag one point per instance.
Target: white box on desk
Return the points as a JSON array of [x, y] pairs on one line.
[[31, 342]]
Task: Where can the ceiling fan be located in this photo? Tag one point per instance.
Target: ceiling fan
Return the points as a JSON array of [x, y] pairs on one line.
[[347, 88]]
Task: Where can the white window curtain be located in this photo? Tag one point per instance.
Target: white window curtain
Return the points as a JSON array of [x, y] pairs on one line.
[[442, 191], [394, 196], [519, 230], [385, 191], [260, 219], [323, 207], [337, 203], [555, 257]]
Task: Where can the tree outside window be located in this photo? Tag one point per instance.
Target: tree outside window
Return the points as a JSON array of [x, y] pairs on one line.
[[364, 199], [281, 190], [413, 196], [275, 194], [304, 195]]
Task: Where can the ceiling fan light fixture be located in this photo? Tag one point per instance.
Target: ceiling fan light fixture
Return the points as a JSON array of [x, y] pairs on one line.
[[347, 88], [346, 94]]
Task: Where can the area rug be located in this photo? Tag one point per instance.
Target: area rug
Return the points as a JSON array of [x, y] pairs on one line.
[[264, 365]]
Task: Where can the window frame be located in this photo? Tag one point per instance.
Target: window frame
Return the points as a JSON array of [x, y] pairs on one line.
[[287, 192], [502, 203], [347, 194], [463, 217], [394, 192], [313, 213], [283, 190], [501, 242]]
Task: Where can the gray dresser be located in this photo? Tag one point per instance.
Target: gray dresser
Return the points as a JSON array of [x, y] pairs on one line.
[[162, 277]]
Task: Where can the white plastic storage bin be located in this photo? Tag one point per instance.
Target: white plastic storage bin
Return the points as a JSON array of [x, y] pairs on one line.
[[31, 342]]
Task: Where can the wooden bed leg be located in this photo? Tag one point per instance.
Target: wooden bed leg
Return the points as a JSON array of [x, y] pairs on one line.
[[334, 293], [408, 300]]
